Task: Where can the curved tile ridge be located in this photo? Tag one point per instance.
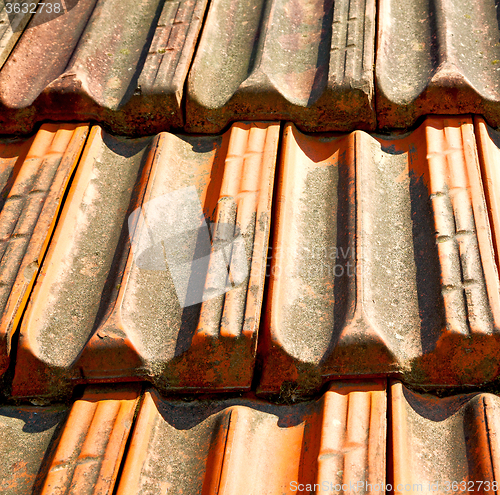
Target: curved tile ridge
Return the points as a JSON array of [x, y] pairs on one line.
[[157, 269], [444, 445], [398, 273], [128, 74], [447, 62], [34, 175], [92, 443], [310, 62], [229, 446]]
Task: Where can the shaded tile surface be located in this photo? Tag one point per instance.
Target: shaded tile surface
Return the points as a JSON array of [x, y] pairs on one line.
[[34, 175], [182, 307], [127, 74], [383, 247], [12, 24], [310, 62], [248, 446], [447, 61], [444, 445], [28, 435]]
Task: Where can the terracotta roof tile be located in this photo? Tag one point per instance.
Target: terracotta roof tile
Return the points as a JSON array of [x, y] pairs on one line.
[[119, 314], [383, 246], [436, 442], [144, 260], [11, 27], [91, 446], [489, 155], [34, 174], [129, 75], [28, 435], [281, 60], [229, 446], [447, 61]]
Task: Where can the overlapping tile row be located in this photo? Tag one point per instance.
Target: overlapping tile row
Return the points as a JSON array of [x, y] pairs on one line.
[[120, 62], [446, 445], [248, 446], [447, 61], [357, 437], [309, 62], [204, 446], [382, 261], [34, 174], [156, 269], [56, 449]]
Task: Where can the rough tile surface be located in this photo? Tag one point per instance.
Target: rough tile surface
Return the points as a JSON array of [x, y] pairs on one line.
[[447, 61], [445, 445], [248, 446], [182, 307], [34, 175], [28, 436], [310, 62], [383, 247]]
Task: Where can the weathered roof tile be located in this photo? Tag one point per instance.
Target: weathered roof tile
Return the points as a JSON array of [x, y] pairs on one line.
[[383, 247], [445, 62], [445, 445], [173, 309], [28, 436], [128, 74], [34, 174], [229, 446], [91, 446], [310, 62]]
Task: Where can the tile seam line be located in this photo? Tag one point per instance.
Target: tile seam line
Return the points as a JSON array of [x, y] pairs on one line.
[[488, 436], [273, 214], [374, 64], [389, 465], [220, 488], [140, 401], [19, 38], [185, 86]]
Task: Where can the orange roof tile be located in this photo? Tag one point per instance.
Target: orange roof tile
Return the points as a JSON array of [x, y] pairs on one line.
[[247, 446], [383, 248], [283, 60], [128, 74], [119, 314], [34, 175], [27, 437], [445, 445], [91, 446]]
